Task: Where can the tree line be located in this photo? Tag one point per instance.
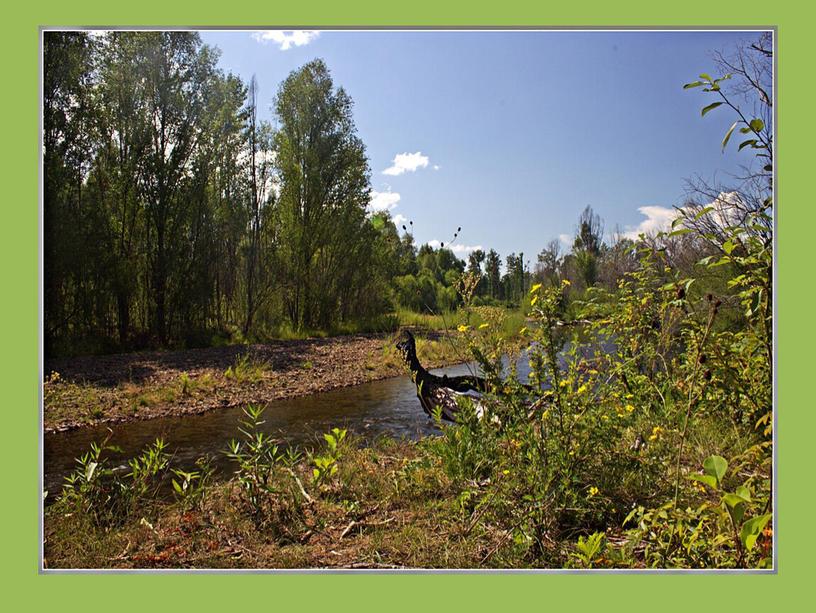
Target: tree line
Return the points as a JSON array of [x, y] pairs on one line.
[[171, 210]]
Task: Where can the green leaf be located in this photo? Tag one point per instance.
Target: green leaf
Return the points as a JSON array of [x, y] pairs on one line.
[[694, 84], [706, 76], [704, 211], [729, 246], [710, 107], [680, 232], [728, 135], [715, 466], [721, 262], [752, 142], [732, 500], [707, 479], [744, 492], [752, 529], [735, 507], [757, 125]]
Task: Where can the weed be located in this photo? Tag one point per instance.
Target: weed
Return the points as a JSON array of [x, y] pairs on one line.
[[246, 370]]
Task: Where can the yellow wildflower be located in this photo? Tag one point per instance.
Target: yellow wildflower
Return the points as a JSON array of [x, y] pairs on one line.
[[463, 328], [566, 283], [582, 389], [483, 326], [534, 300], [629, 408], [593, 491], [535, 288]]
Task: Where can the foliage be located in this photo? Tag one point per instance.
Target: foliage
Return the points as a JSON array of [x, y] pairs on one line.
[[326, 464], [256, 457], [106, 495], [246, 369], [190, 487]]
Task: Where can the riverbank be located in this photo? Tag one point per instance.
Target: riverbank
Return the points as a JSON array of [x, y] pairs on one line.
[[388, 507], [94, 390]]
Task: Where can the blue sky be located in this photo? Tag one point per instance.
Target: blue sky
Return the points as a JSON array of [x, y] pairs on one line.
[[511, 134]]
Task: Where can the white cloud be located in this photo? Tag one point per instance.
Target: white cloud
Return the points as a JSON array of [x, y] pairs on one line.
[[406, 162], [457, 249], [286, 39], [727, 207], [658, 219], [436, 167], [399, 219], [566, 240], [383, 201]]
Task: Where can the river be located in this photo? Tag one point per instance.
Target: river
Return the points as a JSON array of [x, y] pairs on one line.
[[388, 406]]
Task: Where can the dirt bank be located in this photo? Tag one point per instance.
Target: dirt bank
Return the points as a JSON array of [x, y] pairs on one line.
[[125, 387]]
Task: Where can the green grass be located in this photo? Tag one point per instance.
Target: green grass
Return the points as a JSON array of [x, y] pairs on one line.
[[247, 370]]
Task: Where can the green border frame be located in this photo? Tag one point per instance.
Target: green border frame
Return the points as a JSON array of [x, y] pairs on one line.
[[20, 255]]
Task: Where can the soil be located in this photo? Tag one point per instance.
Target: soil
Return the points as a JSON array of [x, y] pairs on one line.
[[95, 390]]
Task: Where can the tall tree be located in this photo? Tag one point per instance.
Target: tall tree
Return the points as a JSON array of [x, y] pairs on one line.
[[67, 69], [548, 263], [587, 245], [493, 273], [260, 145], [324, 193], [176, 70]]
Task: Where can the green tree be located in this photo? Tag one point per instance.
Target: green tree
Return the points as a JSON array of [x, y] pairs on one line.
[[259, 142], [324, 193], [175, 70], [67, 151], [493, 273], [587, 245]]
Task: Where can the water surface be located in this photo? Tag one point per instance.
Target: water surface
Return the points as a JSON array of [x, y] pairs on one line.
[[388, 406]]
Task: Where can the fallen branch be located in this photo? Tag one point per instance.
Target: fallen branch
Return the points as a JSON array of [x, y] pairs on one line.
[[362, 523]]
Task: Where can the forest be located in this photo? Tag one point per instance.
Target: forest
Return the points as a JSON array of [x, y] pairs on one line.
[[640, 436], [175, 217]]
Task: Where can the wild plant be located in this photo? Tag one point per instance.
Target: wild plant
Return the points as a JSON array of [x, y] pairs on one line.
[[326, 464], [246, 370], [190, 487], [111, 495], [256, 456]]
